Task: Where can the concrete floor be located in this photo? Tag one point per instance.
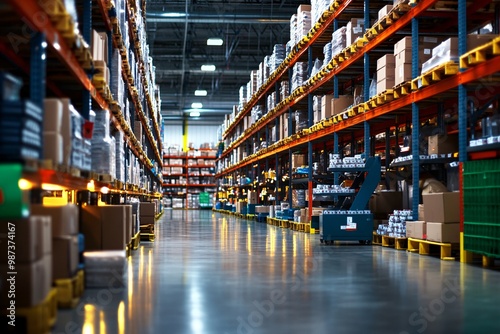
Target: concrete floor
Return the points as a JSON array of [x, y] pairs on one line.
[[209, 273]]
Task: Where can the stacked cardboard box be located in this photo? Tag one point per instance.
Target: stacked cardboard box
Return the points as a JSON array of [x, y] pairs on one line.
[[355, 28], [403, 56], [385, 73], [341, 103], [65, 244], [148, 213], [31, 283], [442, 216], [104, 227]]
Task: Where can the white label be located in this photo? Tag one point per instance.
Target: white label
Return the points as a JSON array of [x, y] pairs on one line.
[[349, 220], [427, 51]]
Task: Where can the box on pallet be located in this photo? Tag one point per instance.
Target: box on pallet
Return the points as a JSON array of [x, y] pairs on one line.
[[416, 229], [442, 207], [443, 232], [65, 256], [326, 106], [103, 227], [341, 103], [36, 234], [64, 218], [384, 11]]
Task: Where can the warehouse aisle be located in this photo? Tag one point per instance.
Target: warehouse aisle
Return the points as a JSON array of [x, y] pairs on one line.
[[208, 273]]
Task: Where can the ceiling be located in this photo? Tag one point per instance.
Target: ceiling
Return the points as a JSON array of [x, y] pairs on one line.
[[178, 33]]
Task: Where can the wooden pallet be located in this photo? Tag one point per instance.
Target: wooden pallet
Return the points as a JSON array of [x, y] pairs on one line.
[[69, 290], [37, 319], [105, 178], [480, 54], [136, 240], [434, 75], [307, 228], [385, 97], [377, 239], [284, 223], [423, 248]]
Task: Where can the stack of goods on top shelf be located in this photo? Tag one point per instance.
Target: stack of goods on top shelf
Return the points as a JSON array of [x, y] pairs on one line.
[[317, 9], [278, 56], [338, 41], [103, 146], [21, 122], [243, 97], [303, 21], [300, 75]]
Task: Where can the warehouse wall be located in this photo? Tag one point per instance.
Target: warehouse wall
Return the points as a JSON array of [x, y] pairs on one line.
[[198, 133]]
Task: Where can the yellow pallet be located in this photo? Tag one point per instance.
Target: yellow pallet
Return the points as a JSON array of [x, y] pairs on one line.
[[422, 247], [136, 240], [397, 243], [385, 97], [480, 54], [314, 231], [402, 89], [377, 239], [436, 74], [37, 319], [284, 223], [69, 290], [307, 228], [148, 237]]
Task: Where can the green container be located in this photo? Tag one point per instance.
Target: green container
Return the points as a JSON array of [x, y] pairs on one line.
[[14, 202], [481, 194]]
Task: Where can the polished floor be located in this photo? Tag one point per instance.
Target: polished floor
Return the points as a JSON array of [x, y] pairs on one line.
[[210, 273]]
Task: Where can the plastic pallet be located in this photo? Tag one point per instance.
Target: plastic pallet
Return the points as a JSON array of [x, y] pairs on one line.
[[422, 247], [69, 290]]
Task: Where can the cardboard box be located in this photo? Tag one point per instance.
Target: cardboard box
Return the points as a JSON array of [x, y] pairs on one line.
[[65, 256], [442, 207], [66, 131], [53, 147], [385, 85], [326, 106], [386, 73], [148, 209], [147, 220], [298, 160], [424, 42], [386, 60], [402, 74], [416, 229], [421, 212], [31, 283], [355, 28], [384, 11], [341, 103], [64, 218], [441, 232], [405, 57], [128, 223], [442, 144], [103, 227], [52, 115], [303, 8], [97, 46], [475, 40], [32, 238]]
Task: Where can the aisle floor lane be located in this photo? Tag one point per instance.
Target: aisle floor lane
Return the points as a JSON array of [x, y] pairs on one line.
[[211, 273]]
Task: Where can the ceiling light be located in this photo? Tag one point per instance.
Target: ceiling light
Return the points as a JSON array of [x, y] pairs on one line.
[[194, 114], [215, 41], [196, 105], [173, 14], [200, 92], [208, 68]]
